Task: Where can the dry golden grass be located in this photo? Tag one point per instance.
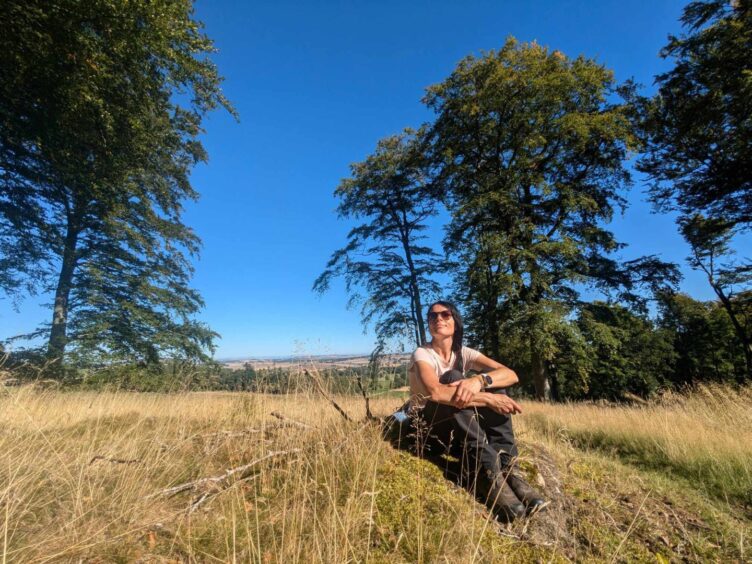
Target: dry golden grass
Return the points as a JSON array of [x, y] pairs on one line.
[[704, 437], [81, 472], [62, 503]]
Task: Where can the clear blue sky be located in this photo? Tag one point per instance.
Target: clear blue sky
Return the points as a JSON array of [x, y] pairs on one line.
[[316, 84]]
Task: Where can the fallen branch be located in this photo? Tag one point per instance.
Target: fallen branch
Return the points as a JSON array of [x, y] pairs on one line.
[[284, 422], [221, 481], [199, 501], [114, 460], [206, 496], [316, 377], [287, 422], [229, 434]]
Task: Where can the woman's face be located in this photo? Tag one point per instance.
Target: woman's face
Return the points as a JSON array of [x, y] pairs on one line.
[[440, 321]]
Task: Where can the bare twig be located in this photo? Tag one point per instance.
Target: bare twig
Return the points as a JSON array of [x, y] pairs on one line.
[[287, 422], [114, 460], [316, 377], [222, 480], [369, 415], [199, 501]]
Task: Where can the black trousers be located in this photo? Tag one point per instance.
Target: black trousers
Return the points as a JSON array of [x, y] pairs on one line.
[[480, 437]]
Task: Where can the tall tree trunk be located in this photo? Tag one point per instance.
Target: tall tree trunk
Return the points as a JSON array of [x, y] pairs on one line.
[[539, 374], [553, 377], [538, 365], [58, 336], [492, 312], [414, 317], [494, 344], [414, 287]]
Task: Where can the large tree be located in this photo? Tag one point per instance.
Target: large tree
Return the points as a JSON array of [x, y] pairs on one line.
[[531, 146], [101, 105], [386, 266], [698, 146], [699, 124]]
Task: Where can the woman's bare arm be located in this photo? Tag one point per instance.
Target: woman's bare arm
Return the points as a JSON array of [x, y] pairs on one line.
[[437, 392], [447, 394], [500, 403], [502, 376]]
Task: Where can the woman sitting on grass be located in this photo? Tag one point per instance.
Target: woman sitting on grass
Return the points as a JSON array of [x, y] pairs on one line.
[[470, 416]]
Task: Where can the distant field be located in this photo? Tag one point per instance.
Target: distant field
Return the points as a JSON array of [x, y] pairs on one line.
[[320, 362], [94, 477]]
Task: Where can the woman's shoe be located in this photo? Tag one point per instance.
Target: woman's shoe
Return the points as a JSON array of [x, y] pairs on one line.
[[534, 502], [505, 503]]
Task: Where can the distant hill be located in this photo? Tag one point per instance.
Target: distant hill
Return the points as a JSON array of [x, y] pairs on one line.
[[319, 361]]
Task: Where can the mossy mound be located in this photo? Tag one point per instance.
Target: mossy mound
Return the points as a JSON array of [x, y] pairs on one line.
[[421, 516], [600, 509]]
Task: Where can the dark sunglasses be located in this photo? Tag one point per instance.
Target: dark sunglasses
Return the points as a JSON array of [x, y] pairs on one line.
[[445, 315]]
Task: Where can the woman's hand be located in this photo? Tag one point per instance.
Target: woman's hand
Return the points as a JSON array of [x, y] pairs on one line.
[[466, 390], [503, 404]]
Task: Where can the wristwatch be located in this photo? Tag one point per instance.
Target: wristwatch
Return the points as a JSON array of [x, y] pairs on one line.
[[487, 380]]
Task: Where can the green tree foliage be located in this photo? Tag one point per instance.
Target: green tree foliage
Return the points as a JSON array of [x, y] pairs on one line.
[[605, 351], [699, 125], [704, 340], [386, 268], [530, 146], [698, 146], [709, 240], [101, 105], [626, 352]]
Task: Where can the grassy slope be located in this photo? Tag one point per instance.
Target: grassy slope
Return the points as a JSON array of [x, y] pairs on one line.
[[666, 482]]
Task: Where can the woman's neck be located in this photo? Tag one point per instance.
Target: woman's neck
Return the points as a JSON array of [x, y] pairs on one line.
[[443, 346]]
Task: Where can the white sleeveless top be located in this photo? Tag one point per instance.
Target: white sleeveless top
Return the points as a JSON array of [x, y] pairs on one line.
[[418, 391]]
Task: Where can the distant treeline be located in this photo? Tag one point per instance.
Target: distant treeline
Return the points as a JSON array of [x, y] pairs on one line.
[[171, 376], [606, 352]]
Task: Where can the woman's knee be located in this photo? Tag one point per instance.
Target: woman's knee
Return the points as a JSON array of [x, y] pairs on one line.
[[450, 376]]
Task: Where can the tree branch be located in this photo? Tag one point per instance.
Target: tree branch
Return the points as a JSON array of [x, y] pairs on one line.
[[220, 481], [316, 377]]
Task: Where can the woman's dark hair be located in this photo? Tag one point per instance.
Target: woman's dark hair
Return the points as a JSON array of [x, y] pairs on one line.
[[458, 330]]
